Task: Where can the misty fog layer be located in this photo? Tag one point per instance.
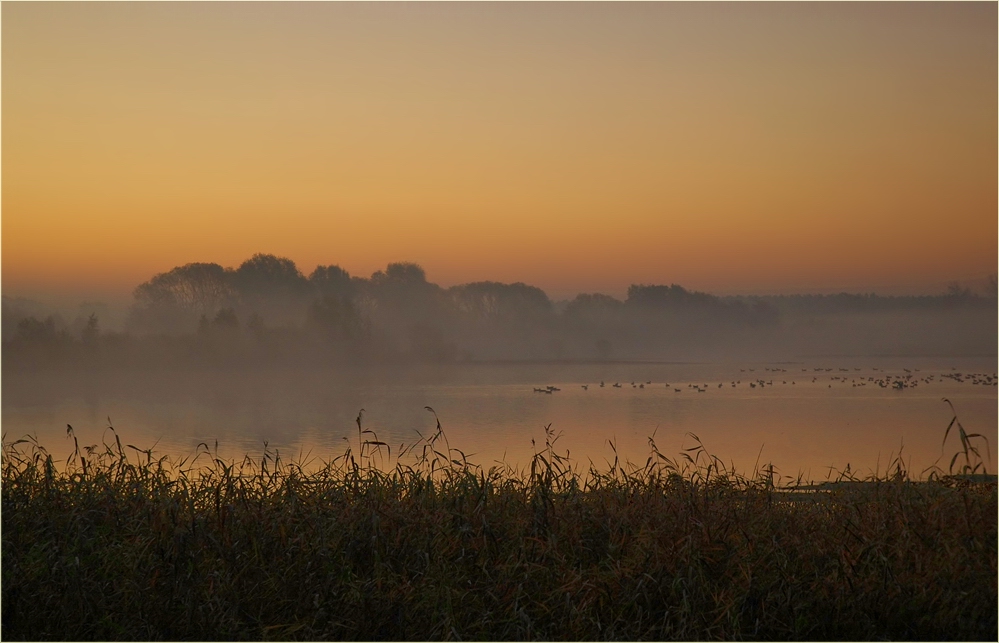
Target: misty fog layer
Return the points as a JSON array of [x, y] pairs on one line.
[[262, 353], [267, 312]]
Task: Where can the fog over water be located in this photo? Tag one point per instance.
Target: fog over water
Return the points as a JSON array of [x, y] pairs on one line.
[[263, 354], [492, 412]]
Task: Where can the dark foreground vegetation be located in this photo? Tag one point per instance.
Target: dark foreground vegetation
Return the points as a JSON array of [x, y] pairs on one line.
[[117, 544]]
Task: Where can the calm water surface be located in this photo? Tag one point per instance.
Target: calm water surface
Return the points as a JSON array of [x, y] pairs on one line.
[[802, 420]]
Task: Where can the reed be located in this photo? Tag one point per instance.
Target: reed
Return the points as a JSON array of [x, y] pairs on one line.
[[117, 543]]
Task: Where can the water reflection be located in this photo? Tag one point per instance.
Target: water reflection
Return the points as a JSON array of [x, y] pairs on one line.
[[825, 420]]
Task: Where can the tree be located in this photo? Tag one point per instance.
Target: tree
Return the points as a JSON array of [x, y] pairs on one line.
[[32, 331], [223, 328], [171, 301], [402, 293], [673, 296], [269, 275], [91, 332], [272, 287], [337, 319], [14, 309], [226, 318], [199, 287], [955, 290], [400, 274], [493, 301], [331, 280]]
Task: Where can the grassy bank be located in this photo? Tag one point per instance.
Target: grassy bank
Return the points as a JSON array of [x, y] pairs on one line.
[[117, 544]]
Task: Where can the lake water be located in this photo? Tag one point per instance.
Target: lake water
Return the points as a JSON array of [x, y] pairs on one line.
[[803, 420]]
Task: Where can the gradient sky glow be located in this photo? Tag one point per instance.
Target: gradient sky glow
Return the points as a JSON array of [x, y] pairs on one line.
[[731, 148]]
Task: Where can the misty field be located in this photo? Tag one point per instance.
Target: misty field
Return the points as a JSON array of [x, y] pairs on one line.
[[122, 544]]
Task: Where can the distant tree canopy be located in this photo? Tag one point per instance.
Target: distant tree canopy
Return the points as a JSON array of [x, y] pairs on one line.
[[267, 302], [400, 275], [199, 287], [34, 331], [266, 277], [175, 299], [91, 332], [492, 301], [404, 284], [402, 293], [337, 318], [264, 284], [331, 280], [673, 296], [15, 309]]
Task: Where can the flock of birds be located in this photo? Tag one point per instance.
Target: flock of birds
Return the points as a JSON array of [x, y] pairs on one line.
[[883, 380]]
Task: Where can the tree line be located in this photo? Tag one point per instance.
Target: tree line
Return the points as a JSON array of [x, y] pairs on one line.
[[267, 308]]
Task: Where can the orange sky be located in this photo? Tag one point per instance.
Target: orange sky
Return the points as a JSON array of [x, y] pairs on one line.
[[577, 147]]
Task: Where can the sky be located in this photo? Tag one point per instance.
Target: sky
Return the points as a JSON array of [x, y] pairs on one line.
[[578, 147]]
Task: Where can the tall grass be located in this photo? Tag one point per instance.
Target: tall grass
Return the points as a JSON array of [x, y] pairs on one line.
[[120, 544]]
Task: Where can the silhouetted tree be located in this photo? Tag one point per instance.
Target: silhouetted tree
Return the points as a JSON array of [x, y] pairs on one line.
[[956, 291], [33, 331], [268, 275], [397, 298], [401, 275], [14, 309], [171, 301], [499, 320], [273, 287], [225, 323], [201, 287], [226, 318], [673, 296], [91, 332], [498, 302], [402, 288], [331, 281], [336, 318]]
